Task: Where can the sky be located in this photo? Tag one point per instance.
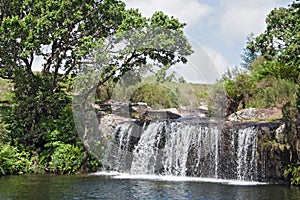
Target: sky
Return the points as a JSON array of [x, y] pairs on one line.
[[217, 30]]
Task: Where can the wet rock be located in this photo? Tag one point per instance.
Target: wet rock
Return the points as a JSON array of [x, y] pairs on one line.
[[137, 110], [170, 113], [110, 121]]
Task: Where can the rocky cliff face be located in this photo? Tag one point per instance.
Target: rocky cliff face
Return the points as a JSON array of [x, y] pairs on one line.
[[252, 151], [247, 149], [274, 150], [278, 143]]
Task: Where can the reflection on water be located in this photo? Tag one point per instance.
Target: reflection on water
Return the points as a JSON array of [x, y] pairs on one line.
[[106, 187]]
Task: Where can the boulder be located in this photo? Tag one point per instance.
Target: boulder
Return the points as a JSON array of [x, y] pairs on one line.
[[170, 113], [254, 114], [109, 122], [137, 110]]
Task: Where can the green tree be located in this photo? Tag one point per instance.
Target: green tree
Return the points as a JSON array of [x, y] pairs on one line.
[[162, 76], [280, 41], [159, 38], [62, 33], [273, 60], [66, 34], [248, 56]]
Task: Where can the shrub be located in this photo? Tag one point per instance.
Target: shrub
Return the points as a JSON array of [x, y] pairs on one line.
[[276, 70], [66, 159], [272, 92], [293, 174], [155, 95], [92, 164], [238, 91], [12, 161], [241, 88], [258, 91]]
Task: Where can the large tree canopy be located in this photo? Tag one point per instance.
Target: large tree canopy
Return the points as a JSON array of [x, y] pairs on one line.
[[281, 39], [159, 38], [67, 34], [62, 32]]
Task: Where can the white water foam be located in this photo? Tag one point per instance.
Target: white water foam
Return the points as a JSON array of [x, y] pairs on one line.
[[185, 150], [117, 175]]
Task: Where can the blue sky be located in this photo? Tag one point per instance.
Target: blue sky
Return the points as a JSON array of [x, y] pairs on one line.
[[217, 28]]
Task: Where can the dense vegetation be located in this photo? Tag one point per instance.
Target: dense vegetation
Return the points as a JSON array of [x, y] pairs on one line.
[[271, 76], [271, 61], [37, 127], [165, 94], [37, 131], [156, 96]]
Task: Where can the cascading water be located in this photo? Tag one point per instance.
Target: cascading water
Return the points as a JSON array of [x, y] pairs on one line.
[[184, 149], [246, 154]]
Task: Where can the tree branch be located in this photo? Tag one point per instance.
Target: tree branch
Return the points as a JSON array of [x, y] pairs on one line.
[[125, 63], [9, 77]]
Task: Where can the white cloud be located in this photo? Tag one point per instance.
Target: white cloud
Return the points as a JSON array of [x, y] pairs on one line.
[[188, 11], [221, 25], [239, 18]]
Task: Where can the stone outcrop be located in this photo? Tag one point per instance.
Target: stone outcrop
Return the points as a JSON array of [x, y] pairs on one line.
[[277, 149], [143, 112], [244, 151], [109, 122], [254, 114], [162, 114], [278, 142]]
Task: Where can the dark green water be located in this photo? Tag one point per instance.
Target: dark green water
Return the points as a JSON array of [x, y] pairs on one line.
[[104, 187]]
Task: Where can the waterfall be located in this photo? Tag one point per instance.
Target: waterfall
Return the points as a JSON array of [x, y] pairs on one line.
[[246, 154], [184, 149]]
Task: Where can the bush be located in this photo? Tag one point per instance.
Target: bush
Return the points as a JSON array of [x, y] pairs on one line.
[[293, 174], [156, 96], [92, 163], [66, 159], [253, 91], [272, 92], [241, 88], [238, 91], [12, 161], [276, 70]]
